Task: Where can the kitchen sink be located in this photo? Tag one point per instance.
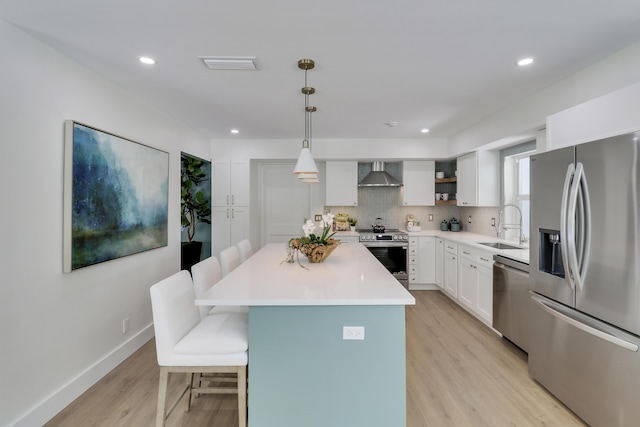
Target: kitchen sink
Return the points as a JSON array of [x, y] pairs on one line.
[[499, 245]]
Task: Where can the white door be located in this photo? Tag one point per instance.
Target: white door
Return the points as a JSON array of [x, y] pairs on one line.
[[285, 203]]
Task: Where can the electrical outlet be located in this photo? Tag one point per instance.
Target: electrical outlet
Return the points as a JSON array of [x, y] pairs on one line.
[[125, 325], [318, 218], [430, 217], [469, 221], [353, 332], [493, 222]]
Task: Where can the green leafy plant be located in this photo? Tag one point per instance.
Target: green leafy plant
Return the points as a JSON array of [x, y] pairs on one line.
[[194, 206]]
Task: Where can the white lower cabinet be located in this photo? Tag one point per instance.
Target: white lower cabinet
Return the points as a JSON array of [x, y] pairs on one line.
[[229, 225], [475, 282], [439, 268], [450, 278], [421, 260]]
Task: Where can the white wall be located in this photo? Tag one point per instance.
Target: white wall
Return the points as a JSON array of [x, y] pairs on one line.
[[60, 332], [618, 71]]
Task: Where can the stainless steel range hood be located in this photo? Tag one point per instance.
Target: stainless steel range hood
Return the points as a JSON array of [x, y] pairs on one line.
[[378, 177]]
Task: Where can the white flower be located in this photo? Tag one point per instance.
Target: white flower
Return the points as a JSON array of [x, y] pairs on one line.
[[327, 219], [308, 227]]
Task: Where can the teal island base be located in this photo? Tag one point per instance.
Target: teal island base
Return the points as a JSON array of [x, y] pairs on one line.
[[302, 373]]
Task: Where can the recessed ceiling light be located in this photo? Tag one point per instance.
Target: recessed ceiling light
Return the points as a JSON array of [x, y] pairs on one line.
[[525, 61], [147, 60], [235, 131], [424, 130]]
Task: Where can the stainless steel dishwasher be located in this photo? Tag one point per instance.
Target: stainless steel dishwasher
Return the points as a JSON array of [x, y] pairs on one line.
[[511, 300]]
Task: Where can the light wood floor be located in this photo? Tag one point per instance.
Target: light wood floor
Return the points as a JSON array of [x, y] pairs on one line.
[[459, 373]]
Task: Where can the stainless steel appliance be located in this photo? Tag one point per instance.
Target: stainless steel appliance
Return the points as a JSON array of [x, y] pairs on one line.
[[511, 300], [390, 248], [585, 278]]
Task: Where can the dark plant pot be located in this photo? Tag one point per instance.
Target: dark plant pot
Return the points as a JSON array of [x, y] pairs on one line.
[[190, 254]]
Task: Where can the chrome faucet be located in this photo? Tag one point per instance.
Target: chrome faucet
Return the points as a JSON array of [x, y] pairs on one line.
[[506, 227]]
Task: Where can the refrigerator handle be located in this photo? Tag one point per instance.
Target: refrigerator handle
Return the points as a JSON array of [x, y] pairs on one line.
[[586, 328], [585, 227], [564, 240], [572, 240]]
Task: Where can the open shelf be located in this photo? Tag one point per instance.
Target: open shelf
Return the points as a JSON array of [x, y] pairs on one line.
[[446, 202], [446, 180]]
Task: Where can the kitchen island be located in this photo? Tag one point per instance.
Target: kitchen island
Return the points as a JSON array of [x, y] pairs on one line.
[[301, 370]]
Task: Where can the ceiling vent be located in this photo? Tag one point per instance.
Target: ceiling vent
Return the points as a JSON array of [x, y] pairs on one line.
[[231, 62], [378, 177]]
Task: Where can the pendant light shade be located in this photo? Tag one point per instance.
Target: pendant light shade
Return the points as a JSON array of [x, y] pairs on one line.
[[306, 168]]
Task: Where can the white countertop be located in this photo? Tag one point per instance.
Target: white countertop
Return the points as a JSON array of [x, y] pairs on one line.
[[474, 240], [351, 275]]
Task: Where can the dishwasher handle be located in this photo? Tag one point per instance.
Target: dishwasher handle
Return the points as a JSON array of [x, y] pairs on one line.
[[497, 264]]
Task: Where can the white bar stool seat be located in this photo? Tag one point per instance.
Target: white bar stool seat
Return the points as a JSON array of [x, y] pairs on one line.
[[185, 343]]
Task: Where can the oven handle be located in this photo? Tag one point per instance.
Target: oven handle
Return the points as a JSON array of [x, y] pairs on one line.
[[385, 245]]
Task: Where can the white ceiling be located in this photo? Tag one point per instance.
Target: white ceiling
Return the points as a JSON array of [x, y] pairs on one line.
[[440, 64]]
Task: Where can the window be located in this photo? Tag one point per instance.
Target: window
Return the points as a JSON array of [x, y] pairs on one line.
[[516, 190]]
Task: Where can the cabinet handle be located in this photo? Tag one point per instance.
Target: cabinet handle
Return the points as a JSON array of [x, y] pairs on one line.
[[233, 199], [466, 253], [227, 199], [227, 213], [484, 259], [233, 213]]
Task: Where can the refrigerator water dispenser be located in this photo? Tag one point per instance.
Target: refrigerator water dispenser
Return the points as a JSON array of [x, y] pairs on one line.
[[551, 253]]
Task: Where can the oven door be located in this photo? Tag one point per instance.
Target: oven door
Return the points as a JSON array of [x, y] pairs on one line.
[[394, 258]]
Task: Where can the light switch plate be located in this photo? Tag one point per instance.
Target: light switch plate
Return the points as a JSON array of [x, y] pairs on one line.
[[318, 218]]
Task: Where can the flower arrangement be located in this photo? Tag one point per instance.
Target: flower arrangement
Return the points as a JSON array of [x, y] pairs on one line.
[[315, 248]]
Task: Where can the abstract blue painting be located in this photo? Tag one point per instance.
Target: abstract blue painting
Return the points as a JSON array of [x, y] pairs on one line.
[[116, 197]]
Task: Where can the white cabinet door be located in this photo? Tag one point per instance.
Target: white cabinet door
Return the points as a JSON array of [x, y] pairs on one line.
[[426, 260], [230, 182], [439, 267], [484, 307], [342, 183], [479, 179], [220, 229], [451, 274], [418, 178], [229, 225], [221, 183], [467, 283]]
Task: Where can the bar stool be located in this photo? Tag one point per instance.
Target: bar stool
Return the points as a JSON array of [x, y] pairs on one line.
[[207, 273], [245, 249], [229, 260], [185, 343]]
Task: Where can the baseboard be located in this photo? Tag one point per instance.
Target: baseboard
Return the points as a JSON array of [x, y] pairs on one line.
[[61, 398]]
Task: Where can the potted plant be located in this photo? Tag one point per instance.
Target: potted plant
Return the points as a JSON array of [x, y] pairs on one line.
[[194, 207]]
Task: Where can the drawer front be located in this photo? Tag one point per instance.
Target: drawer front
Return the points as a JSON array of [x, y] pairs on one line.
[[485, 259], [467, 253], [413, 259], [413, 251], [413, 278], [450, 247], [413, 270], [413, 241]]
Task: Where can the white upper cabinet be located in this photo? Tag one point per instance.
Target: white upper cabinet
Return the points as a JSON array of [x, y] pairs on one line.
[[418, 177], [342, 183], [230, 182], [479, 179]]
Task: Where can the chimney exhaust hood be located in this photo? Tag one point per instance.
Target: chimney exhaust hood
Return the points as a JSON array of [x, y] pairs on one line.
[[378, 177]]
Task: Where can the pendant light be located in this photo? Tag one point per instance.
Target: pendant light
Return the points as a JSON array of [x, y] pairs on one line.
[[306, 169]]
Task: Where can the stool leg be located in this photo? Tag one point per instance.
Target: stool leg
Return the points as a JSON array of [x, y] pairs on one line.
[[242, 396], [162, 397]]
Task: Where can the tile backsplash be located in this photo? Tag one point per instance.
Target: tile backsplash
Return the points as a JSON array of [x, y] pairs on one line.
[[386, 203]]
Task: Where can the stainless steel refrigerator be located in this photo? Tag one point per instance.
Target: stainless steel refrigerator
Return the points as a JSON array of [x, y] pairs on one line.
[[585, 278]]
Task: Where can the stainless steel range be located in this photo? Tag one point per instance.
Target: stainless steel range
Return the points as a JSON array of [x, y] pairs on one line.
[[390, 248]]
